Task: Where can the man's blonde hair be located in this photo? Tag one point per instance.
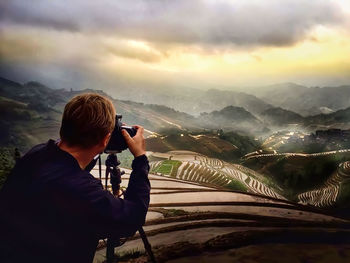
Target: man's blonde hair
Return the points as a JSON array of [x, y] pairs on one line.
[[86, 120]]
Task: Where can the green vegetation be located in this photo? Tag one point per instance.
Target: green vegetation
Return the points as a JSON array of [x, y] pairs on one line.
[[170, 212], [128, 255], [314, 146], [168, 167], [237, 186], [245, 144], [7, 162], [342, 206], [312, 175], [164, 168], [297, 174], [301, 147], [344, 193], [279, 116], [228, 146], [236, 114]]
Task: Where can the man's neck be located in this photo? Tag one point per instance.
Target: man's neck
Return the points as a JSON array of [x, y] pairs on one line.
[[83, 156]]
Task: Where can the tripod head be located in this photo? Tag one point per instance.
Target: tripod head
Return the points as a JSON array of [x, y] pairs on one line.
[[115, 173]]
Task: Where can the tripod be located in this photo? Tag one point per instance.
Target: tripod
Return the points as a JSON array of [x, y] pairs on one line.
[[115, 173]]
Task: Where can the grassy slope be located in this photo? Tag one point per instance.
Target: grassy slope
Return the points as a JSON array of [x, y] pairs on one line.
[[209, 145], [168, 167], [297, 174]]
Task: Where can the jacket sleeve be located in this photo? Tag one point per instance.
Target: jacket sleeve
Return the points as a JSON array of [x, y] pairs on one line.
[[123, 217], [107, 215]]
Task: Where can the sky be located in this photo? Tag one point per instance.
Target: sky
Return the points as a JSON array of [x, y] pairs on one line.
[[166, 43]]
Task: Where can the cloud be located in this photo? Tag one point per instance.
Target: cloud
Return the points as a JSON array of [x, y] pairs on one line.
[[133, 50], [206, 22], [36, 45]]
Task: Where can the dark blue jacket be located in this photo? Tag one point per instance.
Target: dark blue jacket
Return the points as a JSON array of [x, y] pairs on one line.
[[52, 211]]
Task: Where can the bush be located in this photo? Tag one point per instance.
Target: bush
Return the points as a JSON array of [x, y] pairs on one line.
[[245, 144], [7, 162]]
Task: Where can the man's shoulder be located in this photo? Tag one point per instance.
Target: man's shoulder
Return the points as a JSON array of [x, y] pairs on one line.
[[48, 154], [39, 151], [38, 148], [46, 163]]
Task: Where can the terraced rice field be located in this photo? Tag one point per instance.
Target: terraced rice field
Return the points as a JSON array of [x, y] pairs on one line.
[[291, 155], [190, 214], [326, 195], [214, 172]]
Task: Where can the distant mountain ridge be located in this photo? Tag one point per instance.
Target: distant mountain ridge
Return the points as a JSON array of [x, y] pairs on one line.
[[221, 99], [340, 116], [194, 101], [306, 101], [32, 111]]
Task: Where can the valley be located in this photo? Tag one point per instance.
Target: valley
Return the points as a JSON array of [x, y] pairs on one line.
[[222, 179]]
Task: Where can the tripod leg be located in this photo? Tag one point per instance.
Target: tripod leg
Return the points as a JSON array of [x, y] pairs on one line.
[[111, 244], [106, 177], [99, 167], [147, 245], [110, 251]]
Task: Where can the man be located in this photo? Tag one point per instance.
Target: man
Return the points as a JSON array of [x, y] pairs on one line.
[[52, 209]]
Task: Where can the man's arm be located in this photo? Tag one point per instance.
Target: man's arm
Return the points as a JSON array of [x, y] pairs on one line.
[[123, 217], [132, 210], [105, 215], [139, 186]]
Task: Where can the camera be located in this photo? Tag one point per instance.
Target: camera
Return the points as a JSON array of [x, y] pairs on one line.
[[117, 142]]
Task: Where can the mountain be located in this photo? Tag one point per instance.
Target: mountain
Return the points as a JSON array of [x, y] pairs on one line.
[[340, 116], [230, 117], [31, 92], [279, 116], [214, 99], [42, 103], [155, 117], [194, 101], [31, 113], [306, 101], [279, 89], [205, 143]]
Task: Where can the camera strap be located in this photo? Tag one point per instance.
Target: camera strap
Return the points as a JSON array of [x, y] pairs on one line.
[[99, 167]]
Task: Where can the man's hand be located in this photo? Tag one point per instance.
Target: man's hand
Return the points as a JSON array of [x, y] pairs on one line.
[[136, 144]]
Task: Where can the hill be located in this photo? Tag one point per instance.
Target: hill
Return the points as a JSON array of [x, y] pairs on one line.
[[297, 172], [212, 172], [340, 116], [306, 101], [231, 118], [31, 113], [215, 99], [279, 116], [208, 144], [194, 101]]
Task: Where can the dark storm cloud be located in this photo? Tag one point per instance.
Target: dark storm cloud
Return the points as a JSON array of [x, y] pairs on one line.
[[254, 22], [36, 13]]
